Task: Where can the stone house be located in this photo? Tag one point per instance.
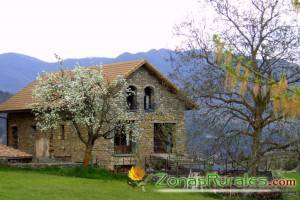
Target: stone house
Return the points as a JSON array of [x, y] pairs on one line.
[[156, 104]]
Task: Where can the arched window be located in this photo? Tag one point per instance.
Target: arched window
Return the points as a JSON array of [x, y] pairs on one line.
[[149, 99], [131, 98]]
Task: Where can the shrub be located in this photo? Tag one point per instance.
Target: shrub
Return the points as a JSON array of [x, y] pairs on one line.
[[290, 164]]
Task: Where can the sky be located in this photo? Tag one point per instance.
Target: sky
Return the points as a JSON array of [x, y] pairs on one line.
[[88, 28]]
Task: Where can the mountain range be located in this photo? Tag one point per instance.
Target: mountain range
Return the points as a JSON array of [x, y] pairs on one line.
[[18, 70]]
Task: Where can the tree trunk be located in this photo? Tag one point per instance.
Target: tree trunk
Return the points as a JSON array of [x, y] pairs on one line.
[[255, 155], [87, 155]]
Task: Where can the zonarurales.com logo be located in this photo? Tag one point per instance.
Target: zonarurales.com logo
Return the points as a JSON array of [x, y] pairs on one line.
[[211, 180]]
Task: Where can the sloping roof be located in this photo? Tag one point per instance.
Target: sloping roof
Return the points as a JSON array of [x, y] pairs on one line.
[[23, 99], [9, 152]]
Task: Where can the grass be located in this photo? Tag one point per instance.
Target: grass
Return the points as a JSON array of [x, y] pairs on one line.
[[90, 172], [72, 183], [294, 175], [288, 175], [37, 185]]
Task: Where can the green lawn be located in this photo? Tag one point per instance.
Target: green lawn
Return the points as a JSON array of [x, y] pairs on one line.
[[294, 175], [56, 184], [27, 185]]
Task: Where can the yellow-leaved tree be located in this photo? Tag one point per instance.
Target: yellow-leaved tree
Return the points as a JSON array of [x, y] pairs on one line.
[[245, 78]]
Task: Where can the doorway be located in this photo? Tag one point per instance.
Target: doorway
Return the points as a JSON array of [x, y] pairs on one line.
[[42, 147], [163, 137]]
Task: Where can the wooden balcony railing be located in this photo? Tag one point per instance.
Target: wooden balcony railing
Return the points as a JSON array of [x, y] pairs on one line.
[[123, 149]]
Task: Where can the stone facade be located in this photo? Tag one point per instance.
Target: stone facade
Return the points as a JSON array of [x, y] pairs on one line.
[[168, 109]]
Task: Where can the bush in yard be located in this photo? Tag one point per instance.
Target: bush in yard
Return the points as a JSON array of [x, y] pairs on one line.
[[290, 164]]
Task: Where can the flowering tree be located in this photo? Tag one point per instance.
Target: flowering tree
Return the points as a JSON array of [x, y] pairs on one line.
[[92, 106], [256, 56]]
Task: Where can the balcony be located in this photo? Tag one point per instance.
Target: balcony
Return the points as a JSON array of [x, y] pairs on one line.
[[123, 149]]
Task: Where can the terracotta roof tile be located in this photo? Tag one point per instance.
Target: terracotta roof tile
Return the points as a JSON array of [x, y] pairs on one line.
[[22, 99], [9, 152]]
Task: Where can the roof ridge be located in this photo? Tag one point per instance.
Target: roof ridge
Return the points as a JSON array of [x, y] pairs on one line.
[[124, 62], [23, 98]]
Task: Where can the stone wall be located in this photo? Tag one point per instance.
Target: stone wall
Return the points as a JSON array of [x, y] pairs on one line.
[[168, 109], [24, 122]]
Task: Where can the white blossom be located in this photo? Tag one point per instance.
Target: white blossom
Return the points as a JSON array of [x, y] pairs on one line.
[[82, 97]]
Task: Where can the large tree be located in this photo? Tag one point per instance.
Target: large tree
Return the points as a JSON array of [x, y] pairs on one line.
[[233, 68], [92, 106]]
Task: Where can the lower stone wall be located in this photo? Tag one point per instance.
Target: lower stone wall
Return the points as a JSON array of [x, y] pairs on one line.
[[70, 148]]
